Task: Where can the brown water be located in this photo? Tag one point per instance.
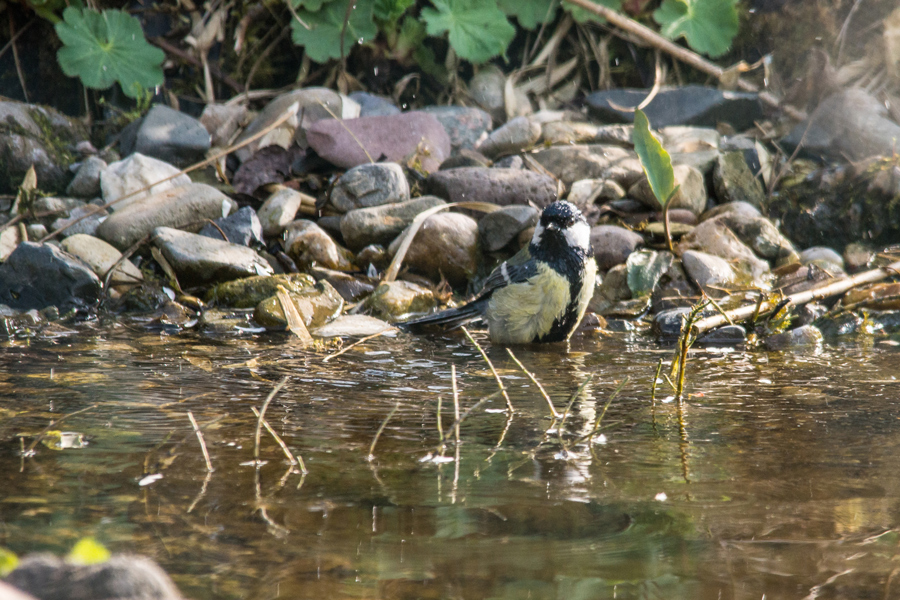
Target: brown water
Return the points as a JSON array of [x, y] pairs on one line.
[[781, 479]]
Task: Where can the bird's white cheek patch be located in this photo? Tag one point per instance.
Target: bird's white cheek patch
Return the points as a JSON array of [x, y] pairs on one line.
[[578, 235], [538, 232]]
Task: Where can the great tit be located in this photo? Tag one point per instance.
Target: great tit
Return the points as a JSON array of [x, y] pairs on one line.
[[538, 295]]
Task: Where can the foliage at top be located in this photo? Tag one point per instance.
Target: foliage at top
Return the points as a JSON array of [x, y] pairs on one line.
[[655, 160], [709, 26], [102, 48], [332, 27], [478, 30]]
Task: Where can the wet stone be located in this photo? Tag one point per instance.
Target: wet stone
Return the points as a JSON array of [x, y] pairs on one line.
[[823, 257], [761, 236], [381, 224], [242, 228], [370, 185], [317, 306], [714, 237], [466, 126], [40, 275], [613, 245], [397, 299], [707, 271], [727, 335], [86, 183], [199, 260], [352, 326], [101, 257], [514, 136], [307, 243], [496, 186], [446, 246], [499, 228], [734, 182], [250, 291], [807, 335], [172, 136]]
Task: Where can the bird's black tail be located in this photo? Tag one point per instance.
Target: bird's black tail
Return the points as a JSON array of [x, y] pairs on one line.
[[446, 319]]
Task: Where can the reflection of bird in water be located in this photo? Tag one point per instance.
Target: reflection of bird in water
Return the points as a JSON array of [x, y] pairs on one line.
[[538, 295]]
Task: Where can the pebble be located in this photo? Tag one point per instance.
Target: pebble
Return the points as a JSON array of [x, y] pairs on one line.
[[369, 185], [317, 305], [36, 275], [446, 246], [88, 225], [172, 136], [199, 260], [247, 292], [516, 135], [222, 121], [823, 257], [101, 257], [126, 177], [613, 245], [86, 183], [707, 271], [396, 299], [799, 337], [499, 228], [691, 193], [734, 182], [571, 163], [280, 209], [307, 243], [714, 237], [465, 126], [497, 186], [352, 326], [381, 224], [242, 228], [373, 105]]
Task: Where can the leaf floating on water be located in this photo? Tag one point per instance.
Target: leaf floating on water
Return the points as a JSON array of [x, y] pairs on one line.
[[88, 551]]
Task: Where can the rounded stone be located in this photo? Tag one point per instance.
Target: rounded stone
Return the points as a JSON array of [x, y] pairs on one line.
[[381, 224], [499, 228], [496, 186], [369, 185], [612, 245], [446, 245]]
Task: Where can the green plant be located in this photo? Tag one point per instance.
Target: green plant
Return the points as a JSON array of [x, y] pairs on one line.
[[102, 48], [709, 26], [657, 166]]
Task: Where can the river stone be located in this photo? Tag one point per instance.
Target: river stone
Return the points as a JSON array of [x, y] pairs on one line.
[[496, 186], [683, 105], [369, 185], [569, 132], [86, 183], [514, 161], [679, 139], [36, 276], [514, 136], [714, 237], [101, 256], [446, 246], [584, 193], [416, 137], [849, 125], [121, 577], [396, 299], [279, 210], [58, 205], [691, 192], [571, 163], [353, 325], [38, 136], [136, 172], [613, 289], [307, 243], [242, 228], [488, 88], [94, 216], [172, 136], [727, 335], [497, 229], [857, 257], [312, 104], [176, 207], [250, 291], [613, 245], [9, 240], [807, 335], [222, 121], [761, 235], [707, 271], [199, 260], [823, 257], [734, 182], [317, 305], [373, 105], [466, 126], [381, 224], [742, 208]]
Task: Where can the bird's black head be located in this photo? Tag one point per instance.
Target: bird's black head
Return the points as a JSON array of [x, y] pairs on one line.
[[561, 214], [561, 230]]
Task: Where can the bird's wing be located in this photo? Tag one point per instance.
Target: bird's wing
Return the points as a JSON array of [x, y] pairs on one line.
[[517, 269]]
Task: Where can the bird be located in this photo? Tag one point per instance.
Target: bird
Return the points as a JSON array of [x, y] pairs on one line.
[[539, 295]]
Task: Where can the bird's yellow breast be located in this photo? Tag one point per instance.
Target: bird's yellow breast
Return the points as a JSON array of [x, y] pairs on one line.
[[519, 313]]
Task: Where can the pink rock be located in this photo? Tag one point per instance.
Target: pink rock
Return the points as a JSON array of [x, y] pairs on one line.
[[397, 138]]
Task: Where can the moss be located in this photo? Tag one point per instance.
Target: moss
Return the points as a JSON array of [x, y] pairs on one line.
[[58, 141]]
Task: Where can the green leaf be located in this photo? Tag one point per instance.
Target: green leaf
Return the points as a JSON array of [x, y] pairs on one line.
[[478, 30], [8, 561], [582, 16], [530, 13], [88, 551], [322, 41], [310, 5], [655, 160], [102, 48], [390, 11], [709, 26]]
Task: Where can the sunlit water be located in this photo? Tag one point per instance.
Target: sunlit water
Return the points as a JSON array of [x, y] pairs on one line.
[[779, 477]]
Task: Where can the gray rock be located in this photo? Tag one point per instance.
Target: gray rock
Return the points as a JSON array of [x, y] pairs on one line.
[[466, 126], [516, 135], [312, 104], [800, 337], [613, 245], [199, 260], [683, 105], [38, 136], [396, 299], [308, 244], [691, 193], [381, 224], [125, 177], [172, 136], [679, 139], [86, 183], [176, 207], [761, 235], [742, 208], [242, 228], [369, 185], [849, 125], [707, 271], [487, 88], [614, 288], [586, 192], [823, 257], [222, 121], [317, 306], [352, 326], [446, 246], [857, 257], [101, 257], [279, 210], [734, 182], [571, 163], [57, 205], [499, 228], [578, 132], [95, 215], [514, 161], [36, 276], [727, 335], [416, 138], [497, 186], [36, 231], [372, 105], [714, 237]]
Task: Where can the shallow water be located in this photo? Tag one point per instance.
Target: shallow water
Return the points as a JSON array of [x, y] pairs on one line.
[[779, 478]]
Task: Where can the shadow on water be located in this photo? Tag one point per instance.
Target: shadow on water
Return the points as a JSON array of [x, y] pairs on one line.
[[784, 481]]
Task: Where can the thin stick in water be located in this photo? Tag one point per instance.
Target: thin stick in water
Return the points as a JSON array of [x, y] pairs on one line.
[[199, 433], [572, 399], [537, 383], [378, 433], [262, 415], [357, 343], [294, 460], [455, 403], [493, 370]]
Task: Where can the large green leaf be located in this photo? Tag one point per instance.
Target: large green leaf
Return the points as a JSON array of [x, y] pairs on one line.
[[322, 41], [530, 13], [709, 26], [102, 48], [582, 16], [656, 161], [390, 11], [478, 30]]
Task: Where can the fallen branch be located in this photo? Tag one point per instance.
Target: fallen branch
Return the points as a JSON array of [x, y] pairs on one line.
[[832, 289]]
